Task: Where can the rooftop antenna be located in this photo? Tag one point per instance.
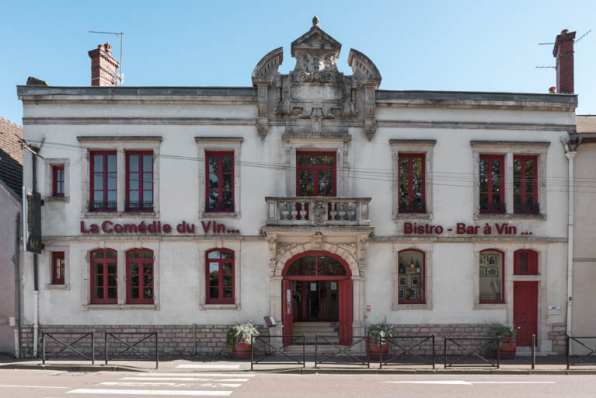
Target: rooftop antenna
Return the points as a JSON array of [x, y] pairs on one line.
[[121, 34]]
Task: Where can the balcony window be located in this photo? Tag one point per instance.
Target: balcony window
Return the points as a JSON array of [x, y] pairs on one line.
[[103, 182], [411, 183], [525, 185], [139, 181], [492, 183]]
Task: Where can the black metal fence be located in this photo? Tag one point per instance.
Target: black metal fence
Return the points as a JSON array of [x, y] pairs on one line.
[[66, 346], [132, 345], [342, 354], [580, 358], [408, 350], [270, 350], [479, 351]]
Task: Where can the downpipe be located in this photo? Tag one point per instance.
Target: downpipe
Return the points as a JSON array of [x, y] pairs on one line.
[[570, 155], [17, 289]]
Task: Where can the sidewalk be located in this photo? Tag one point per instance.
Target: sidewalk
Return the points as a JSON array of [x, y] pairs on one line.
[[519, 365]]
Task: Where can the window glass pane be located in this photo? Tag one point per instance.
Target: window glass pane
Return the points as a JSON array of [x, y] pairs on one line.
[[329, 266], [496, 166], [214, 254], [227, 182], [98, 163], [227, 293], [148, 163], [148, 196], [523, 262], [304, 266], [147, 280], [326, 183], [227, 200], [325, 160], [98, 269], [417, 166], [112, 280], [226, 163], [134, 254], [147, 254], [98, 181], [517, 164], [112, 269], [214, 292], [213, 182], [111, 198], [227, 254], [99, 293], [134, 293], [227, 268], [98, 281], [491, 274], [148, 293], [133, 196], [133, 163], [227, 280], [111, 180], [307, 186], [214, 274], [133, 181], [147, 268], [111, 254], [134, 268], [112, 293], [147, 181], [213, 164], [112, 163], [97, 254]]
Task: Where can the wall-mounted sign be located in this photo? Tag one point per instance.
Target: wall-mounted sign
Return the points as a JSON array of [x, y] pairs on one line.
[[463, 229], [155, 228], [32, 221], [554, 310]]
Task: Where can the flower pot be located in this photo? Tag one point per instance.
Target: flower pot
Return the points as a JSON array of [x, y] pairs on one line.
[[375, 351], [241, 350], [508, 348]]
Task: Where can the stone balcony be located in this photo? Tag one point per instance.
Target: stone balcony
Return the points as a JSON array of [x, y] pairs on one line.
[[318, 211]]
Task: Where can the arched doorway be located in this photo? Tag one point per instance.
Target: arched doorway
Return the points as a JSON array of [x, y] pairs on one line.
[[317, 286]]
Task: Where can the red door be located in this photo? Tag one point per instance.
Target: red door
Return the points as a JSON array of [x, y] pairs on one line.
[[345, 311], [525, 308], [287, 317]]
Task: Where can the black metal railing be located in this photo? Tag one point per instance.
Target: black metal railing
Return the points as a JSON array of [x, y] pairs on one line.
[[100, 205], [497, 208], [67, 346], [131, 346], [262, 349], [134, 206], [412, 208], [579, 361], [342, 354], [400, 353], [526, 208], [479, 352]]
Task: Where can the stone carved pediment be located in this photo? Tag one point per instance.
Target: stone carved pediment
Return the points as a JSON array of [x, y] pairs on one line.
[[315, 98]]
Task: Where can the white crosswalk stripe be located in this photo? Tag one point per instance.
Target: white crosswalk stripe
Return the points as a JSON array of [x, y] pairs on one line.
[[190, 366], [184, 393], [180, 379]]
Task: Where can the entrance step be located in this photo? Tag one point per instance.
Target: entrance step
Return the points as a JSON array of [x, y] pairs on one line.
[[309, 329], [310, 349]]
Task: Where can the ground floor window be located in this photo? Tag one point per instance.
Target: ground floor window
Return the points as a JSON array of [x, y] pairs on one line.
[[139, 276], [220, 276], [104, 276], [525, 262], [411, 277], [492, 281]]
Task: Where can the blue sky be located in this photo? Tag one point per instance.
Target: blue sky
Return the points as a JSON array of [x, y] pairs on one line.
[[416, 45]]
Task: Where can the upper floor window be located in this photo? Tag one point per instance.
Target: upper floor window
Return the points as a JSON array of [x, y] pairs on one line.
[[492, 183], [525, 184], [58, 180], [411, 183], [139, 276], [525, 262], [316, 174], [411, 275], [220, 181], [492, 280], [139, 181], [58, 268], [104, 276], [220, 276], [103, 181]]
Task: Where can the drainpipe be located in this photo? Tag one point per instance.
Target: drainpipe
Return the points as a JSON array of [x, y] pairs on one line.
[[35, 274], [570, 155], [17, 289]]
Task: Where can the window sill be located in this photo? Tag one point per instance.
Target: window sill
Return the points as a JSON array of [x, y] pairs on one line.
[[57, 287], [412, 307], [412, 216], [208, 307], [115, 214], [219, 215], [118, 307], [490, 306], [57, 199], [509, 216]]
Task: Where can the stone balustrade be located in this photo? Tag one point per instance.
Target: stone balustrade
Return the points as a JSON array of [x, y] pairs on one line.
[[318, 211]]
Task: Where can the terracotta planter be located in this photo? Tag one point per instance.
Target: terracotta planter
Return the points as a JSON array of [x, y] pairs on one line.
[[508, 348], [241, 350], [375, 351]]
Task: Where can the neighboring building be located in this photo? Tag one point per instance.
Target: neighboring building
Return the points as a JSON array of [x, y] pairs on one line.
[[312, 196], [11, 180]]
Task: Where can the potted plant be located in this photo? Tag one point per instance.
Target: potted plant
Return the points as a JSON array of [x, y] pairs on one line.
[[508, 340], [375, 344], [239, 338]]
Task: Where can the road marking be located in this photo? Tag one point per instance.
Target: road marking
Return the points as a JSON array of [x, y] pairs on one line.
[[465, 383], [151, 392], [133, 384], [15, 386], [179, 379], [208, 366], [180, 374]]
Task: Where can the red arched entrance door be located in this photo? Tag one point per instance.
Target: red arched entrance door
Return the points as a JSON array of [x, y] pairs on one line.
[[317, 286]]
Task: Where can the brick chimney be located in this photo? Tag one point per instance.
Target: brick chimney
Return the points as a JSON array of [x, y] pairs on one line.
[[563, 52], [103, 66]]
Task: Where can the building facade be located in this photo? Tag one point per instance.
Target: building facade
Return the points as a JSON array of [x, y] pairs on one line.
[[312, 197]]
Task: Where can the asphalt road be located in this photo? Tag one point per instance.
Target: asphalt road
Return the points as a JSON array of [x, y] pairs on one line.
[[57, 384]]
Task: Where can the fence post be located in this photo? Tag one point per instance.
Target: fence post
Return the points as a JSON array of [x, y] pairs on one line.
[[156, 351], [498, 352], [92, 348], [106, 346], [567, 349], [381, 352], [445, 350], [316, 347], [433, 351], [303, 350], [533, 351], [43, 348], [252, 352]]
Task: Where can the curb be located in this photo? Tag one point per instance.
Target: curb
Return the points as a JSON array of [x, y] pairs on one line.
[[429, 371], [75, 368]]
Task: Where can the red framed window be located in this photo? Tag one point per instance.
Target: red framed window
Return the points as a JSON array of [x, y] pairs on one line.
[[316, 174], [492, 277], [139, 276], [220, 276], [411, 277], [525, 262], [411, 183], [220, 181], [103, 181], [492, 184], [525, 184], [58, 268], [139, 181], [104, 276], [58, 180]]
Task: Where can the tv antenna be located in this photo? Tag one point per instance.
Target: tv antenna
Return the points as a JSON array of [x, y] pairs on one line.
[[121, 34]]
